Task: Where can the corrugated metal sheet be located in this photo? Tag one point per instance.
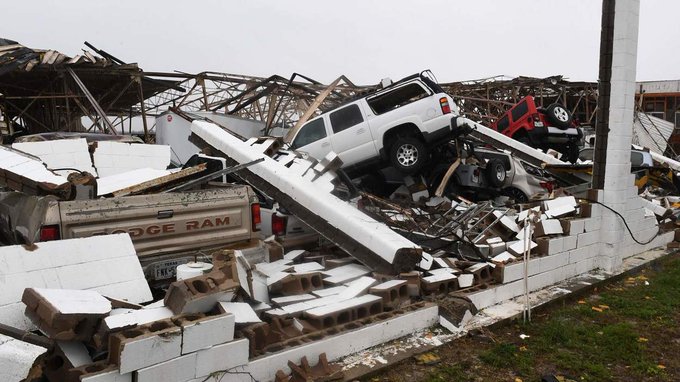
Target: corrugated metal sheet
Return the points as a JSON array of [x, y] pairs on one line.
[[14, 56], [651, 132]]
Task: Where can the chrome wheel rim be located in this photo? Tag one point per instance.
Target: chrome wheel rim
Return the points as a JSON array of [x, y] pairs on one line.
[[407, 155]]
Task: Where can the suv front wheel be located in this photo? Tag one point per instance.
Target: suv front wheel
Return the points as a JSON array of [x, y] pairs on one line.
[[408, 155]]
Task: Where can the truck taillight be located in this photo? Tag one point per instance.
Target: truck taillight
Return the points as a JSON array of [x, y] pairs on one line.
[[279, 224], [444, 103], [49, 232], [255, 216], [548, 186]]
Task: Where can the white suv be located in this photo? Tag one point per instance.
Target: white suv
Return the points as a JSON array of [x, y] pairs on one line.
[[395, 125]]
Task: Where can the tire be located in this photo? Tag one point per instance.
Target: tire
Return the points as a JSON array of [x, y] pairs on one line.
[[495, 173], [559, 116], [525, 140], [571, 152], [374, 183], [516, 194], [408, 155]]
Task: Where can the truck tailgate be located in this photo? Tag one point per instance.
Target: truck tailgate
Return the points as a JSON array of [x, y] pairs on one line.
[[164, 223]]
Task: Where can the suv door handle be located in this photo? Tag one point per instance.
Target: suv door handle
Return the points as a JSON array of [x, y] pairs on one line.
[[361, 131], [325, 144]]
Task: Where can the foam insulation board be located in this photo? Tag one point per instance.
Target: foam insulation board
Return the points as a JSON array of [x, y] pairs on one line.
[[62, 153], [28, 167], [112, 158]]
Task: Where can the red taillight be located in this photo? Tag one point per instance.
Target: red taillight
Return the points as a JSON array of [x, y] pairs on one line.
[[49, 232], [279, 224], [549, 186], [444, 103], [255, 216]]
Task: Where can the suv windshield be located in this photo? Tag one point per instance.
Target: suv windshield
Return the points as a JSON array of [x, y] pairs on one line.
[[311, 132]]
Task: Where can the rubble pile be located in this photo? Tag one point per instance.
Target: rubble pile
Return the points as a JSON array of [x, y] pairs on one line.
[[210, 323]]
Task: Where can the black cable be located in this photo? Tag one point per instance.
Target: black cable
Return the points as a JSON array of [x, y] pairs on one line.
[[624, 222], [66, 169]]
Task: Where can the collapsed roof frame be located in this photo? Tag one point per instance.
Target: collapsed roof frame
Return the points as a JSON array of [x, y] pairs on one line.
[[282, 102], [47, 91]]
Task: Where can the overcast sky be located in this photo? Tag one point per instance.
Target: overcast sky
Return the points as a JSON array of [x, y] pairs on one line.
[[365, 40]]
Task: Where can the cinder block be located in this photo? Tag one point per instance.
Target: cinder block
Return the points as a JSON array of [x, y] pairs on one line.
[[573, 226], [439, 283], [550, 246], [412, 282], [508, 291], [483, 298], [578, 254], [222, 357], [548, 227], [201, 293], [145, 345], [242, 311], [517, 248], [496, 249], [549, 263], [592, 224], [65, 314], [393, 292], [569, 243], [550, 204], [585, 266], [200, 332], [101, 371], [324, 317], [177, 369], [587, 238], [515, 271], [296, 284]]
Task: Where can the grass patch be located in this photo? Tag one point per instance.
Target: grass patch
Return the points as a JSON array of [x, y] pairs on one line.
[[508, 355], [612, 344], [456, 372]]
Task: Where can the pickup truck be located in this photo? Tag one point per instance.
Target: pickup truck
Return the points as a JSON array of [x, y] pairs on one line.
[[397, 125], [166, 229]]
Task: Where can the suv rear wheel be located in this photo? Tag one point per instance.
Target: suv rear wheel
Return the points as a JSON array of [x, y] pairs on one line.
[[559, 115], [408, 155]]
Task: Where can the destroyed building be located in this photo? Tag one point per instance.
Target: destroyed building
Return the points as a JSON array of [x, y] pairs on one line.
[[381, 267]]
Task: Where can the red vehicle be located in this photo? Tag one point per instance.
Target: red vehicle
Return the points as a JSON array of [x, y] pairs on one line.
[[551, 128]]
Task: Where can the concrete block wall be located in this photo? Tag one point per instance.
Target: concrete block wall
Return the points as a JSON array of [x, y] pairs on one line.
[[264, 368], [578, 252]]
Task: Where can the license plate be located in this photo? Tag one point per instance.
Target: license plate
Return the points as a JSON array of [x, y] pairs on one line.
[[166, 269], [538, 124]]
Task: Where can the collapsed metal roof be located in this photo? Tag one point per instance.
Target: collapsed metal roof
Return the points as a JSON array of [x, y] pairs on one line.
[[46, 90]]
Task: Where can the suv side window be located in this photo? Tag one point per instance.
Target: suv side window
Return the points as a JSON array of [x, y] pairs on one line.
[[397, 98], [519, 111], [503, 123], [345, 118], [311, 132]]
